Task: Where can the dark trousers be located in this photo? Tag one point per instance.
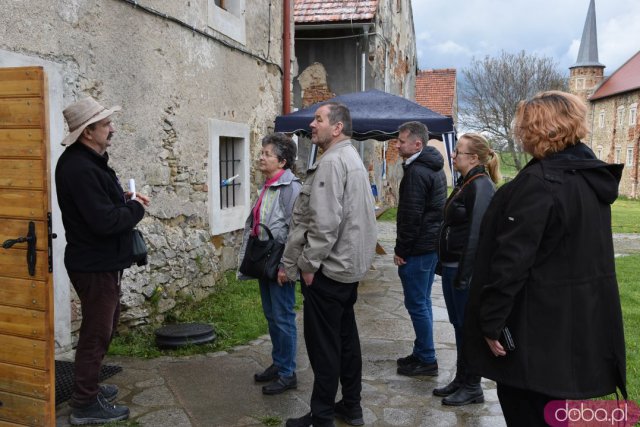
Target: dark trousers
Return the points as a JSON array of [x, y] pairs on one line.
[[99, 295], [523, 408], [333, 344]]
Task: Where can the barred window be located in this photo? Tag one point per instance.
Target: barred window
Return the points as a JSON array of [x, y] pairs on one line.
[[230, 150], [228, 175]]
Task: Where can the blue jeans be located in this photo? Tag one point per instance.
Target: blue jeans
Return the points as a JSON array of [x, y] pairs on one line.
[[417, 278], [277, 304], [456, 300]]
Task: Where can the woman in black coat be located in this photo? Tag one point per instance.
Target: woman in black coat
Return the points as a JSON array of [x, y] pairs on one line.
[[479, 167], [545, 271]]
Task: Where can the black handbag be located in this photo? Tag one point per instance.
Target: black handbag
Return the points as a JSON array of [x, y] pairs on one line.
[[139, 248], [262, 257]]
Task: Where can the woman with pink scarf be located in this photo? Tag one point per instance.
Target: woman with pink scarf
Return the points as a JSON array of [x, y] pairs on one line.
[[273, 208]]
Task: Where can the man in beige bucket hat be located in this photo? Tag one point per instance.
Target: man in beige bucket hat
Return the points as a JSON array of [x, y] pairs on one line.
[[98, 217]]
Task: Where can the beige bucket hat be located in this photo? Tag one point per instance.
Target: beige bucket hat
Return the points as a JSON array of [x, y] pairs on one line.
[[81, 114]]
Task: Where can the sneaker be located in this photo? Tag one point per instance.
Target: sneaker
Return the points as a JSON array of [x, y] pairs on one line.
[[306, 421], [109, 392], [351, 416], [281, 385], [404, 361], [99, 412], [419, 368], [269, 374]]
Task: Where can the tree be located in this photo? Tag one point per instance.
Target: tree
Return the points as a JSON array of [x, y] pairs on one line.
[[493, 87]]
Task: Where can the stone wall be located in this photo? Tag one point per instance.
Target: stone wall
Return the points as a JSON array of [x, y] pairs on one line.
[[614, 141], [171, 81]]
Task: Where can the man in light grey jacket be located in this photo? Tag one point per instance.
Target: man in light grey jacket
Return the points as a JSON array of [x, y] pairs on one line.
[[331, 246]]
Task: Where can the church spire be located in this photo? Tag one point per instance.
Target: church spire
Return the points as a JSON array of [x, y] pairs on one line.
[[588, 54]]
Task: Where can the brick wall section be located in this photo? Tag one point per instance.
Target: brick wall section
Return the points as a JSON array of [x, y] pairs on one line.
[[612, 136], [436, 89], [314, 94]]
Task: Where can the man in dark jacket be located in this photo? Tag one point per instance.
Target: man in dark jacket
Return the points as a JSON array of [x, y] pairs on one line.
[[423, 191], [98, 218]]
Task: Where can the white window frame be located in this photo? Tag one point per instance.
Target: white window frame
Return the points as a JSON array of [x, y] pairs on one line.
[[620, 115], [633, 112], [229, 21], [618, 152], [232, 218], [580, 83], [629, 160], [599, 151], [601, 119]]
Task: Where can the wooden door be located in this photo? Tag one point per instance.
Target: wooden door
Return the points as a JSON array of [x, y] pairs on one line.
[[27, 375]]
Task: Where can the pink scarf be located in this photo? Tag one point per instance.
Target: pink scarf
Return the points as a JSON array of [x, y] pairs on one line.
[[256, 208]]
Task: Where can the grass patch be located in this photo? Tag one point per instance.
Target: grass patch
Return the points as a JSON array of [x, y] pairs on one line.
[[628, 271], [389, 215], [507, 165], [270, 420], [234, 309], [625, 216]]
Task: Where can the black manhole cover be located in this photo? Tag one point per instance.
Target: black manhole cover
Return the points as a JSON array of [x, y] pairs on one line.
[[171, 336]]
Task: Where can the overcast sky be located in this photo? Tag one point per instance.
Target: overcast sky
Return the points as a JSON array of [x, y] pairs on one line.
[[449, 33]]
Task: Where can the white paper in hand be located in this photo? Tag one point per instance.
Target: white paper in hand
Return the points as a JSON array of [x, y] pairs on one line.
[[132, 188]]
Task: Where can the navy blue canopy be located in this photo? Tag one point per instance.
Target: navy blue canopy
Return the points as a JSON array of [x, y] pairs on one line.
[[375, 115]]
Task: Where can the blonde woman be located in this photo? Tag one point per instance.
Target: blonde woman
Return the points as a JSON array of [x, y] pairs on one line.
[[479, 168]]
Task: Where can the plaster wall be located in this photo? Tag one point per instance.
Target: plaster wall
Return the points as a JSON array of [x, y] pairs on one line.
[[170, 81]]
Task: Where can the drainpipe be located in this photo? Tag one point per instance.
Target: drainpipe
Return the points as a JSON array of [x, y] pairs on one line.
[[286, 58], [363, 73]]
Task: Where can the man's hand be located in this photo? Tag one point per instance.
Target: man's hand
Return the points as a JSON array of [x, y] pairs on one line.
[[140, 198], [398, 260], [307, 278]]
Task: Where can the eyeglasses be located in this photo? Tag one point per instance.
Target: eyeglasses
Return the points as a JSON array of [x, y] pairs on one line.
[[457, 153], [267, 154]]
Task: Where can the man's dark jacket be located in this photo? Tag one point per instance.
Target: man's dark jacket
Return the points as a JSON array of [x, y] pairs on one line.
[[423, 191], [545, 268], [97, 219]]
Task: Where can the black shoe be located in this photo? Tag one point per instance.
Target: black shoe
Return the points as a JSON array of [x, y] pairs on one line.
[[269, 374], [351, 416], [100, 412], [281, 385], [419, 368], [450, 388], [306, 421], [109, 392], [404, 361], [466, 394]]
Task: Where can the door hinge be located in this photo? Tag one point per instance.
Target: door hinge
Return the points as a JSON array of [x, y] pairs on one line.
[[50, 236]]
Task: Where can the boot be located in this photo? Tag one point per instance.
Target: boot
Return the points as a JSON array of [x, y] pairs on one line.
[[469, 392], [450, 388], [455, 384]]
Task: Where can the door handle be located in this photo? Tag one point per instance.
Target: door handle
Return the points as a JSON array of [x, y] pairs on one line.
[[31, 247]]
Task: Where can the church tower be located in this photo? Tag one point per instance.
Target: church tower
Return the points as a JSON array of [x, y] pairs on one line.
[[587, 73]]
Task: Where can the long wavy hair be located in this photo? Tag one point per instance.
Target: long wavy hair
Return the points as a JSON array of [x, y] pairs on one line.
[[550, 122], [479, 145]]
